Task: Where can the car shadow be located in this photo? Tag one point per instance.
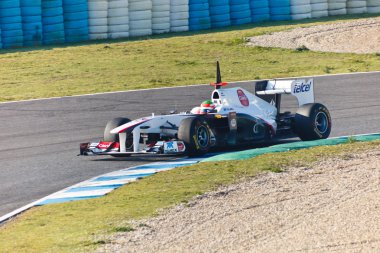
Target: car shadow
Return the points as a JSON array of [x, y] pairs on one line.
[[218, 151], [140, 158]]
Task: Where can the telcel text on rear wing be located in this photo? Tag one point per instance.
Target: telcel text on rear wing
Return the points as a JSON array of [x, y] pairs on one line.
[[302, 89]]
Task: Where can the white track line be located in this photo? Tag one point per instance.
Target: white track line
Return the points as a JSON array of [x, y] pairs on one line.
[[124, 172], [174, 87], [92, 182]]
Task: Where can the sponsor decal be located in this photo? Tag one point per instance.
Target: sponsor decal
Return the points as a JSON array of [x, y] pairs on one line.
[[181, 146], [208, 128], [94, 144], [242, 97], [104, 145], [169, 145], [233, 123], [196, 141], [107, 145], [327, 114], [300, 88]]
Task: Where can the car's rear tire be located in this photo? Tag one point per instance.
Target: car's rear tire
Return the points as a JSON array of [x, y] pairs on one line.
[[312, 122], [116, 122], [195, 133]]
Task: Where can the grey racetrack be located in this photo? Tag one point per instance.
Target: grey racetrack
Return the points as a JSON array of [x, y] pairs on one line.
[[40, 139]]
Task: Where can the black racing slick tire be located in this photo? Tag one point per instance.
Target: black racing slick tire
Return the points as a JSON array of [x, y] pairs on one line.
[[195, 133], [116, 122], [312, 122]]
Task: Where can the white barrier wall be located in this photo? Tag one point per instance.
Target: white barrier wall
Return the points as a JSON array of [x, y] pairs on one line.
[[140, 17], [356, 6], [179, 15], [337, 7], [373, 6], [160, 16], [319, 8], [300, 9], [118, 19], [97, 19]]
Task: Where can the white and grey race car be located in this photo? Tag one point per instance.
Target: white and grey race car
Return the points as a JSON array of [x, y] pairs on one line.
[[236, 118]]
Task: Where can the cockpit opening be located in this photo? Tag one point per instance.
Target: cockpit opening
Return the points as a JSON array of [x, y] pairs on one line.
[[216, 97]]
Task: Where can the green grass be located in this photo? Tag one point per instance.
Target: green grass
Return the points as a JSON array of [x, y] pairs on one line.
[[166, 60], [84, 225]]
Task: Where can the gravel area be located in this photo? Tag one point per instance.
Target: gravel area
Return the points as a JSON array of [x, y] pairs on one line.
[[333, 206], [360, 36]]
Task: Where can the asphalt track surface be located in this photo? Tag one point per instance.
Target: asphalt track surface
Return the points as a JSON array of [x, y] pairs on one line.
[[40, 139]]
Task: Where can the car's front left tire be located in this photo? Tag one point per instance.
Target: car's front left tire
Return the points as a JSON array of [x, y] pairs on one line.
[[116, 122], [109, 137]]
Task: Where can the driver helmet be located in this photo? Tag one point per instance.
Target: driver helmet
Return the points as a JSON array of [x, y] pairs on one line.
[[207, 107]]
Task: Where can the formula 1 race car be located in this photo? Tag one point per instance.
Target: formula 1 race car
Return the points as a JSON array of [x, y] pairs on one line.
[[232, 117]]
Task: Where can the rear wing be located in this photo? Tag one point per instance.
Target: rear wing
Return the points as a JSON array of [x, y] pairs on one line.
[[302, 89]]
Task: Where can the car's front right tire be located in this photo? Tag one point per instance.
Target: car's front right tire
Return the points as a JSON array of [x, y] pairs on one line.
[[195, 133]]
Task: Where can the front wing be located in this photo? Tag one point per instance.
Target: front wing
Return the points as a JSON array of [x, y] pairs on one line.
[[113, 149]]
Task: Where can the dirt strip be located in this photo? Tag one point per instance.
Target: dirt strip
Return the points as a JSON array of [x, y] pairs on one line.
[[360, 36], [333, 206]]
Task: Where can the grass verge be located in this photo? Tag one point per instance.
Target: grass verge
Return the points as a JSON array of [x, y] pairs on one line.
[[166, 60], [84, 225]]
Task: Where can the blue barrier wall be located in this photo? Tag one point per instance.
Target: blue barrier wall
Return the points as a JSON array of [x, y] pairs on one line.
[[199, 15], [219, 13], [75, 16], [36, 22], [279, 10], [31, 16], [240, 12], [260, 10], [11, 24], [53, 31]]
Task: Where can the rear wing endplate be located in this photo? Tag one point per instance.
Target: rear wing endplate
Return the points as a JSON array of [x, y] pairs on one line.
[[302, 89]]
